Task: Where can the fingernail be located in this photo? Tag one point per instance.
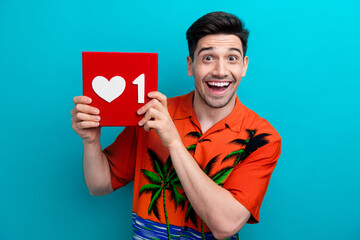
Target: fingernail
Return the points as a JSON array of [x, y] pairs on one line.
[[97, 118], [97, 111], [88, 100]]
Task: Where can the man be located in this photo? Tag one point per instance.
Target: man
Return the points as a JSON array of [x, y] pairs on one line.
[[201, 163]]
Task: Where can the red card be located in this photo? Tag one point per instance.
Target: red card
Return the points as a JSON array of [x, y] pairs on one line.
[[118, 84]]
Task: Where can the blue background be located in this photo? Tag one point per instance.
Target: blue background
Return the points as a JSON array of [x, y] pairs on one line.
[[303, 77]]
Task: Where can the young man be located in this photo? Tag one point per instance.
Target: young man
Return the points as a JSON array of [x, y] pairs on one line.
[[201, 163]]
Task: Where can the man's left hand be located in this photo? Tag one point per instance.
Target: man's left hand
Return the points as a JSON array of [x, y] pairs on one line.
[[156, 116]]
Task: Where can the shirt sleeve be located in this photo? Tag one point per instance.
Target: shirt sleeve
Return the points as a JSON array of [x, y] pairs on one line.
[[249, 180], [121, 156]]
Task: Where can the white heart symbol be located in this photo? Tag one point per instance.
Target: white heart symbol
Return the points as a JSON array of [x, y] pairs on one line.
[[108, 90]]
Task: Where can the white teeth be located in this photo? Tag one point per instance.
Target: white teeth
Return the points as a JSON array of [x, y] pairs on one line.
[[218, 84]]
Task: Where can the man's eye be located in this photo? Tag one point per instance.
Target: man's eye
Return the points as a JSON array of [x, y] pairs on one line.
[[232, 58], [207, 58]]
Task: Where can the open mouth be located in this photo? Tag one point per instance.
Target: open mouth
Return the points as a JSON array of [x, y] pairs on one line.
[[218, 87]]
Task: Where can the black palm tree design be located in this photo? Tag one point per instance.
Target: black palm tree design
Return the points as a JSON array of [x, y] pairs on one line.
[[163, 178], [251, 144]]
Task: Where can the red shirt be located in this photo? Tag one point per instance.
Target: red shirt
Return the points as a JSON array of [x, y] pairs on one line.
[[239, 153]]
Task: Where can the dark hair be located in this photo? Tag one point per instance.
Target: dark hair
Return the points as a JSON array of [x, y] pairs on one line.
[[216, 23]]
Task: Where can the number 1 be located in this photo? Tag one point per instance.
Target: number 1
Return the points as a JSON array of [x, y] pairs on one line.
[[140, 81]]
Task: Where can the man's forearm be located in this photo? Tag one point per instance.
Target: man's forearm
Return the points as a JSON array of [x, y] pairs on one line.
[[222, 213], [96, 169]]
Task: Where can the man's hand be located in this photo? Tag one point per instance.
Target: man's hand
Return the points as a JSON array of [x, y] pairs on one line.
[[85, 119], [156, 116]]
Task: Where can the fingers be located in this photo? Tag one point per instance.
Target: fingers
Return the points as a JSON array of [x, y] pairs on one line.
[[150, 125], [82, 106], [79, 116], [152, 113], [82, 99], [155, 111], [84, 115], [160, 97], [82, 120], [86, 124], [159, 101], [86, 109], [152, 104]]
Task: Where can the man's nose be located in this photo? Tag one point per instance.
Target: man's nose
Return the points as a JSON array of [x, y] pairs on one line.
[[220, 69]]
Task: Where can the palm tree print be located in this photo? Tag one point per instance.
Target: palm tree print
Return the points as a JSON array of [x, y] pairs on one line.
[[251, 144], [163, 178]]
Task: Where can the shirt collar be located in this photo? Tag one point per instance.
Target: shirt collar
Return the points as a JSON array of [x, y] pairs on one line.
[[233, 121]]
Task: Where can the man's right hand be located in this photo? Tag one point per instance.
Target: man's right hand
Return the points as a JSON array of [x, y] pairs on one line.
[[85, 119]]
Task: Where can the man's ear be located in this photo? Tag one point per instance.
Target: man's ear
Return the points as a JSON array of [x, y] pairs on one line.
[[245, 65], [189, 66]]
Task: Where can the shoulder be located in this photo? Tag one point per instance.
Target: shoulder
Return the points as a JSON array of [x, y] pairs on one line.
[[252, 121]]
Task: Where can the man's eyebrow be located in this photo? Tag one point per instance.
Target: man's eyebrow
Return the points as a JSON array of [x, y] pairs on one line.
[[236, 49], [211, 48], [204, 49]]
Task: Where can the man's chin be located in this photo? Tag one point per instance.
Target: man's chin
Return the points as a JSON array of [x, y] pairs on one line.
[[217, 102]]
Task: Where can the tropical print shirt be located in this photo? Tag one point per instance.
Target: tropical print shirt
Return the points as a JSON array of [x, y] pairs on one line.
[[239, 153]]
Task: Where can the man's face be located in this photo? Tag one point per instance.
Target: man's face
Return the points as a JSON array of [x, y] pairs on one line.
[[218, 67]]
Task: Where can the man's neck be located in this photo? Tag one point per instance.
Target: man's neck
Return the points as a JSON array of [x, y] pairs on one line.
[[209, 116]]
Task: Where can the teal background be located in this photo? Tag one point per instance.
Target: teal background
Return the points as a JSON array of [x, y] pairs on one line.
[[303, 77]]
